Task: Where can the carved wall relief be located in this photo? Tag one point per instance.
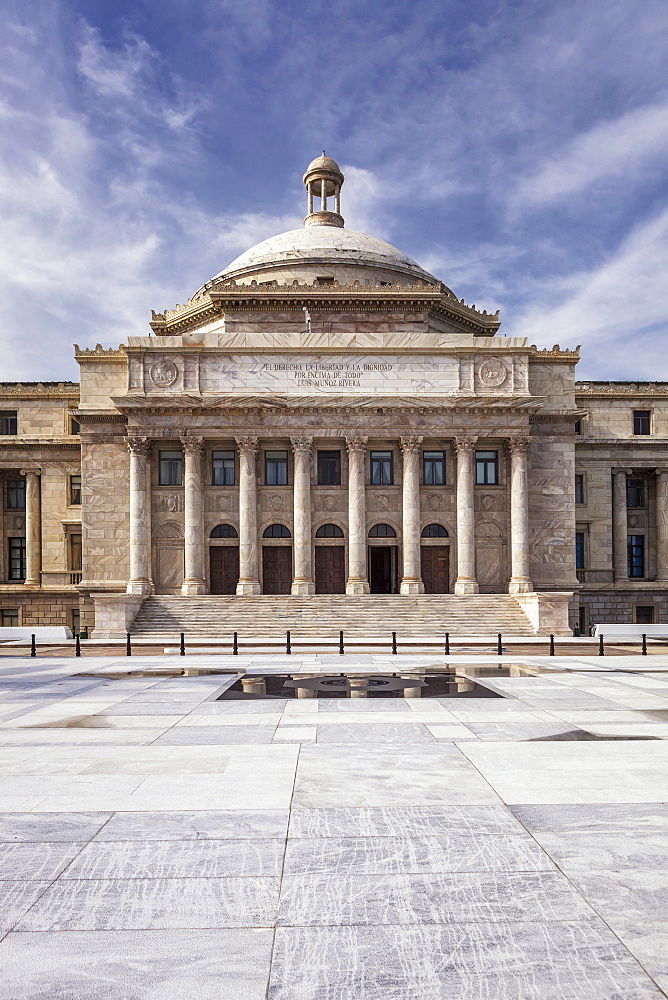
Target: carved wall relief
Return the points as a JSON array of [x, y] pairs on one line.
[[163, 373]]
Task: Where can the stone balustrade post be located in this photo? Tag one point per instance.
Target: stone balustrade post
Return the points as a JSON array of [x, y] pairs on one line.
[[193, 580], [33, 576], [520, 580], [466, 582], [139, 582], [620, 527], [662, 525], [249, 579], [411, 582], [303, 578], [358, 580]]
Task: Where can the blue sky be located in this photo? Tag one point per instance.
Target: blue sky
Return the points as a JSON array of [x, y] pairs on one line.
[[516, 149]]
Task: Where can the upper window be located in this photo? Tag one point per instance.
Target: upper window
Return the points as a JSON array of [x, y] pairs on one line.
[[578, 427], [224, 531], [579, 550], [382, 531], [277, 531], [329, 531], [8, 422], [222, 471], [487, 468], [75, 490], [433, 468], [171, 468], [74, 426], [641, 421], [17, 558], [75, 553], [579, 489], [329, 468], [635, 493], [9, 617], [382, 473], [16, 494], [636, 555], [276, 468], [434, 531]]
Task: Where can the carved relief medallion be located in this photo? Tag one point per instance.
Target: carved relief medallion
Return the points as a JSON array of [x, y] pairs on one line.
[[276, 503], [163, 374], [173, 503], [493, 372], [435, 503]]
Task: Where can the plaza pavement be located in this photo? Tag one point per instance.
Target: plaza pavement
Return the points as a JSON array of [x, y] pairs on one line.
[[156, 844]]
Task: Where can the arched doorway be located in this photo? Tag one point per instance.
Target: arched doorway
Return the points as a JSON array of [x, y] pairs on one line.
[[383, 561], [223, 559], [276, 559], [330, 560], [435, 559]]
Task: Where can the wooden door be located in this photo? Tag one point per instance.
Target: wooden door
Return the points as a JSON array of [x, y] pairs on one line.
[[224, 566], [436, 569], [276, 569], [330, 569], [381, 569]]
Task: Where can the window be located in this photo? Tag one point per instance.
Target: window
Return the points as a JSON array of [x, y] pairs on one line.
[[434, 531], [635, 492], [74, 426], [486, 468], [16, 494], [8, 422], [325, 281], [641, 421], [329, 531], [578, 427], [9, 618], [277, 531], [382, 531], [75, 553], [17, 558], [329, 468], [171, 468], [433, 468], [75, 490], [224, 531], [222, 471], [276, 468], [382, 473], [579, 550], [75, 617], [579, 489], [644, 614], [636, 555]]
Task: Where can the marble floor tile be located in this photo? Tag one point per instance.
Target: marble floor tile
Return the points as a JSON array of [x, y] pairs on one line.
[[16, 898], [398, 821], [595, 851], [311, 900], [50, 827], [143, 904], [633, 895], [148, 965], [211, 721], [215, 735], [614, 817], [176, 859], [450, 732], [229, 707], [201, 825], [647, 940], [374, 733], [28, 861]]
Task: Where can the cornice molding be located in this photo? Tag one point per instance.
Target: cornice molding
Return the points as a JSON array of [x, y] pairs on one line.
[[99, 352], [606, 389], [555, 353], [156, 402]]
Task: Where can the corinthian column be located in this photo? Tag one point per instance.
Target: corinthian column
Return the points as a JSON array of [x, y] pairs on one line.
[[303, 580], [520, 581], [619, 526], [662, 525], [249, 580], [33, 528], [411, 582], [466, 582], [139, 582], [193, 581], [358, 581]]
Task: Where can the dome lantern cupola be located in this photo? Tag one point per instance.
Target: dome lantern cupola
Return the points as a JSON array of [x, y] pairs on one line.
[[323, 179]]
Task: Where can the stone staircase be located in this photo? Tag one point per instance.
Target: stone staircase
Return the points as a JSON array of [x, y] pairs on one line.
[[321, 617]]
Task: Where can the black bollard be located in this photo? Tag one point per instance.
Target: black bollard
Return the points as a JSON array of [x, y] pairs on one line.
[[601, 651], [447, 644], [499, 647], [235, 646], [33, 648], [341, 649], [77, 646], [288, 647], [644, 644], [128, 645], [394, 644], [182, 650], [551, 645]]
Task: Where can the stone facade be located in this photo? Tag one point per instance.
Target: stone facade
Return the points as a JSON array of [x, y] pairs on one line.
[[322, 417]]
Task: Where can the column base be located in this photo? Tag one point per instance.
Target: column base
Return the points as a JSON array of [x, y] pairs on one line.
[[411, 586], [463, 586], [521, 585], [302, 588], [248, 588], [357, 587], [139, 587], [190, 588]]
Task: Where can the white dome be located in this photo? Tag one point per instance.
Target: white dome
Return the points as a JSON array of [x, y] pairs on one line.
[[324, 245]]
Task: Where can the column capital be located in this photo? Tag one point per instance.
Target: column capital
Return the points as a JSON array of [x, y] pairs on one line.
[[465, 445], [27, 472], [138, 445], [247, 443], [517, 443], [661, 472], [356, 444], [192, 445], [622, 472], [301, 445], [410, 444]]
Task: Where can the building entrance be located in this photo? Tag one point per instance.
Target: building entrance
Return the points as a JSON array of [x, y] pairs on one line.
[[330, 569], [436, 569], [383, 569], [276, 569], [224, 568]]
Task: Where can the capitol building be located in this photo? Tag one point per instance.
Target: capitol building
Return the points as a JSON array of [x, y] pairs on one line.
[[326, 419]]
